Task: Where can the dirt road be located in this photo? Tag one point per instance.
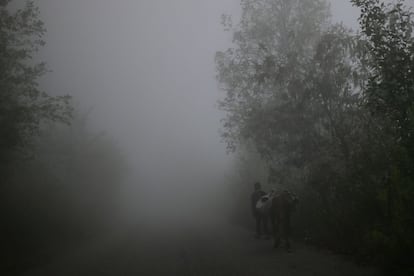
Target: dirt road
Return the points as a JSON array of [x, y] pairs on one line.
[[194, 249]]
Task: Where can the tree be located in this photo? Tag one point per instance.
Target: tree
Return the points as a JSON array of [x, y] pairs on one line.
[[68, 192], [291, 90], [263, 73], [387, 31], [23, 105], [333, 119]]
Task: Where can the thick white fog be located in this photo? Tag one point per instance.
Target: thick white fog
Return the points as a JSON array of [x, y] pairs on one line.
[[146, 68]]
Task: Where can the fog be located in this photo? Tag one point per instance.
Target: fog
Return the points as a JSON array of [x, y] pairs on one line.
[[147, 70], [142, 74]]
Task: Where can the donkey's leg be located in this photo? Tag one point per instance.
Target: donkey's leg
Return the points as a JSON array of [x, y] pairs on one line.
[[286, 232], [276, 231]]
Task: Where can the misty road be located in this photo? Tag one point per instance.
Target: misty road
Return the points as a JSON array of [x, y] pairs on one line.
[[190, 249], [133, 132]]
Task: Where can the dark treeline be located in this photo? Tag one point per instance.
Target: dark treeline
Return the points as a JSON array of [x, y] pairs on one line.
[[59, 181], [327, 112]]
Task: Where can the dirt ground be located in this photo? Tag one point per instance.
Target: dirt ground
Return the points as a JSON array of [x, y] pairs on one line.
[[193, 249]]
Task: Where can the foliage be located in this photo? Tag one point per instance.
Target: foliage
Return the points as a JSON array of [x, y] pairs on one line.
[[23, 105], [389, 95], [330, 112], [69, 186], [67, 193], [272, 45]]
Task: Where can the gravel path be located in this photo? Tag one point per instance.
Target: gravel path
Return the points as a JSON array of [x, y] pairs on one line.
[[209, 249]]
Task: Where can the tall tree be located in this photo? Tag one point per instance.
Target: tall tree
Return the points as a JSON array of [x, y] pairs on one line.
[[387, 31], [263, 74], [333, 111], [23, 105]]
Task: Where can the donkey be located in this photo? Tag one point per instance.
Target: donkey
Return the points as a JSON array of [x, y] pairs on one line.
[[280, 211]]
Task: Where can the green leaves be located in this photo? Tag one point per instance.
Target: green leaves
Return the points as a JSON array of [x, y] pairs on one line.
[[23, 105], [387, 30], [273, 45], [330, 112]]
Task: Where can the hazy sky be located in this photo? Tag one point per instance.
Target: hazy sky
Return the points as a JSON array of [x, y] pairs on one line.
[[147, 68]]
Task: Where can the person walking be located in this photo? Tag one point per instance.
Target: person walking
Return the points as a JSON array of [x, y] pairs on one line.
[[260, 217]]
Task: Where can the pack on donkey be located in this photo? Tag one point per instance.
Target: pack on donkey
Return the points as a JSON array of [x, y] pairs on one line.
[[276, 206]]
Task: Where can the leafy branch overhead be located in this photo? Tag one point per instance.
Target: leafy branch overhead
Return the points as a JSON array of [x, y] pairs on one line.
[[23, 105]]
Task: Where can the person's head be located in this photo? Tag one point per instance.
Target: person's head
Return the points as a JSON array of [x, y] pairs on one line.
[[257, 186]]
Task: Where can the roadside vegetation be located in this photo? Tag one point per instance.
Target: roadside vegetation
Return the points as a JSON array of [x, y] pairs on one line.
[[59, 180], [330, 113]]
